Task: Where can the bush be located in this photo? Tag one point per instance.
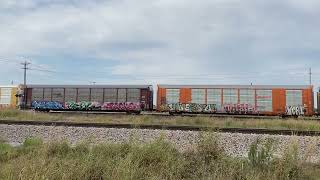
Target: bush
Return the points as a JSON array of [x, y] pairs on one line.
[[260, 156], [289, 166]]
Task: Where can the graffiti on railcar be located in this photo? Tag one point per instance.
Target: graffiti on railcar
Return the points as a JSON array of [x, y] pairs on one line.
[[295, 110], [46, 105], [83, 106], [209, 108], [107, 106], [192, 108], [121, 106], [239, 108]]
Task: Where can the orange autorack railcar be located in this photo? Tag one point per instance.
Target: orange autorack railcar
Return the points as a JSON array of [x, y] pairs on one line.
[[236, 99]]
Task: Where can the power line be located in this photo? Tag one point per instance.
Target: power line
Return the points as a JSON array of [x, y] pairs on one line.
[[43, 70]]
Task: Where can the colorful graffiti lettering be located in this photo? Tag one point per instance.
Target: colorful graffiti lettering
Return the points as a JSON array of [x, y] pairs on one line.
[[295, 110], [163, 108], [191, 108], [87, 106], [46, 105], [83, 106], [107, 106], [209, 108], [239, 108], [125, 106]]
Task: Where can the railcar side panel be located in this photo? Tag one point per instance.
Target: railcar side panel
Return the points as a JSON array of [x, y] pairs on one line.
[[236, 100], [161, 98], [8, 97], [308, 102], [185, 95], [278, 101], [87, 98], [146, 99], [29, 96], [14, 99]]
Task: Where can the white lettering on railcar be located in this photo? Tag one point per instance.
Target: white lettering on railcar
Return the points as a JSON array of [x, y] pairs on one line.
[[295, 110]]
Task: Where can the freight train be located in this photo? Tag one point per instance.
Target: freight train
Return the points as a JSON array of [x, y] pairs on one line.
[[174, 99]]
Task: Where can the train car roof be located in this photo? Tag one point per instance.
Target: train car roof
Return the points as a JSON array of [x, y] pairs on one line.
[[237, 86], [90, 86]]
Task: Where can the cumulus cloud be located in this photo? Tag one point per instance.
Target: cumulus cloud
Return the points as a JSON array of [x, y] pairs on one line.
[[164, 41]]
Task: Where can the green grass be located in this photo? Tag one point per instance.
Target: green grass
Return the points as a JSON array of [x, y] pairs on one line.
[[271, 123], [155, 160]]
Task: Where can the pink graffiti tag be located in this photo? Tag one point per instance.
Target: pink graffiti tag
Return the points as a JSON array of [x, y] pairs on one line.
[[125, 106], [239, 108]]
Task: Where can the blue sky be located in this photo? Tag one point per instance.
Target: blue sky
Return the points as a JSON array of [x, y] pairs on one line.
[[160, 41]]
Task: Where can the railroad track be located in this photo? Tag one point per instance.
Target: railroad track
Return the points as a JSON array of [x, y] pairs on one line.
[[183, 115], [164, 127]]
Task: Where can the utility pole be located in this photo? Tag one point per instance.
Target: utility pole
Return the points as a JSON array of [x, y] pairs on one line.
[[25, 68], [310, 76]]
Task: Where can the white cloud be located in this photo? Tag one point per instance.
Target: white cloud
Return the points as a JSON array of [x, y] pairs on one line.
[[233, 41]]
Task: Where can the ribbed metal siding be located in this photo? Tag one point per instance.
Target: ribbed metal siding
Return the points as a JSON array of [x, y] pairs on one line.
[[58, 94], [97, 95], [198, 96], [5, 96], [122, 95], [83, 94], [264, 100], [247, 96], [294, 98], [230, 96], [47, 94], [110, 95], [71, 95], [214, 97], [172, 96], [133, 95], [37, 94]]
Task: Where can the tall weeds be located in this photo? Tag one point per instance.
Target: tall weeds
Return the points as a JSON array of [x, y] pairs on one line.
[[155, 160]]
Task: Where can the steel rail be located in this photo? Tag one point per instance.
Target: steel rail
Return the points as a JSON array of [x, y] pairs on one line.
[[239, 116], [163, 127]]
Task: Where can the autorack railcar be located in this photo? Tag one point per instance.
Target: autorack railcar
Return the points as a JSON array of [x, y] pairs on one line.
[[236, 99], [8, 97], [124, 98]]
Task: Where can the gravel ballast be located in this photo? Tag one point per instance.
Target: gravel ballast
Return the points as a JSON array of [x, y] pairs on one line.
[[234, 144]]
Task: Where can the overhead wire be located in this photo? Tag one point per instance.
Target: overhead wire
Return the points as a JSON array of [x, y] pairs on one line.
[[143, 77]]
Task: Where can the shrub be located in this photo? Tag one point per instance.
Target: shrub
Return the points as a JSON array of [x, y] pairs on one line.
[[260, 156], [289, 166]]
